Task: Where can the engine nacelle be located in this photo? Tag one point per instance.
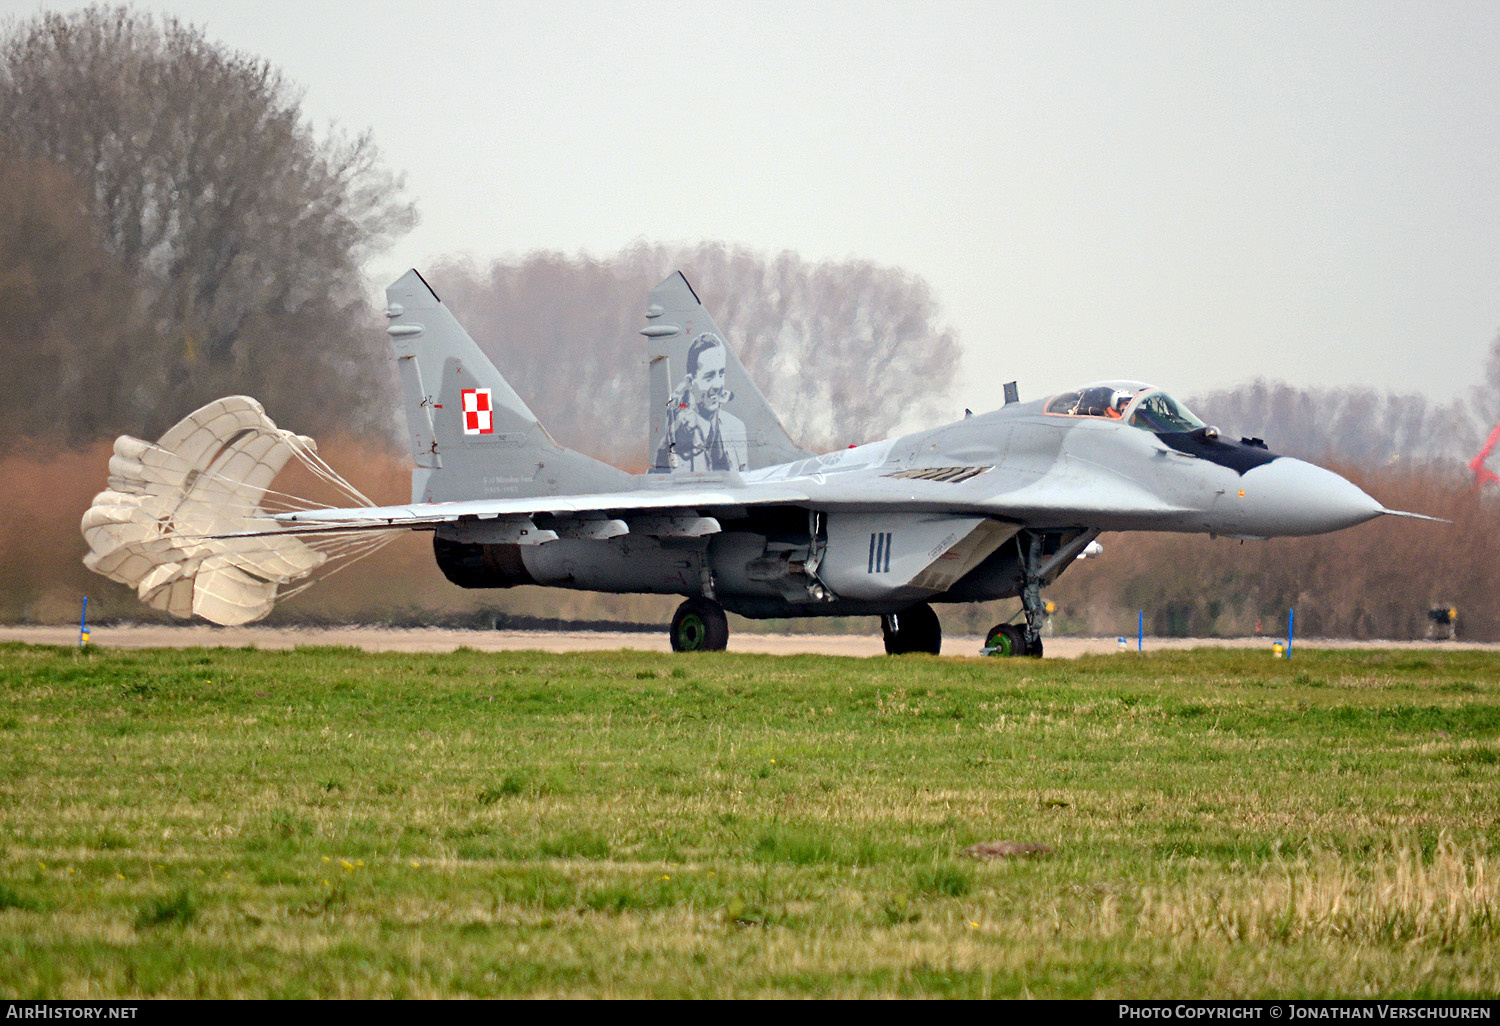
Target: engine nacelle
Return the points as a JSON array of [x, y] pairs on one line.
[[629, 564], [480, 566]]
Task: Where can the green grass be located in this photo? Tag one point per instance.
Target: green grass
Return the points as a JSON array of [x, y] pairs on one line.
[[329, 823]]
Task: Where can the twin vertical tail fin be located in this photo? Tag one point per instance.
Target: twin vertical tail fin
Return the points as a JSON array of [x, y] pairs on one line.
[[706, 413], [472, 436]]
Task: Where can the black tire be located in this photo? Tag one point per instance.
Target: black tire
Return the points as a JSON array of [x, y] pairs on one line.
[[699, 625], [1035, 649], [912, 630], [1006, 640]]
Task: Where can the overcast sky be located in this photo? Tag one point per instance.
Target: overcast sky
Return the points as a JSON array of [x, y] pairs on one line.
[[1193, 194]]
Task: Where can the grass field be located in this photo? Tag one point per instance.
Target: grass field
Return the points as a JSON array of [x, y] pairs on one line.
[[326, 822]]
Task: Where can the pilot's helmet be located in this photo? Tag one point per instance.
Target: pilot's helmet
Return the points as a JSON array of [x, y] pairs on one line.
[[1094, 401], [1120, 400]]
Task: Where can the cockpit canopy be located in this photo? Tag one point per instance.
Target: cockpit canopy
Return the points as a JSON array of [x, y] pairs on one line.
[[1135, 402]]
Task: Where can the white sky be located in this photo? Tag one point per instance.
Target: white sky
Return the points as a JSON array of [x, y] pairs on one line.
[[1187, 193]]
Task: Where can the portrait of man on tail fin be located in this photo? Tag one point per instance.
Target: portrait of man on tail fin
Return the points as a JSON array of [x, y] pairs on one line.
[[701, 435]]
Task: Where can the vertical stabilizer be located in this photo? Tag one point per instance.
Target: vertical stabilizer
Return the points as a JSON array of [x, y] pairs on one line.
[[706, 413], [472, 437]]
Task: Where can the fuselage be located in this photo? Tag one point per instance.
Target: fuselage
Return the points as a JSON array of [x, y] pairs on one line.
[[940, 515], [1109, 474]]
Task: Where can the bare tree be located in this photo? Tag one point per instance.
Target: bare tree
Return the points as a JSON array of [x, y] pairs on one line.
[[844, 351], [65, 302], [243, 230], [1486, 397]]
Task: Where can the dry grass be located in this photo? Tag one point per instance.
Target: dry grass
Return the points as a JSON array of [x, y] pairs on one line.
[[1397, 898]]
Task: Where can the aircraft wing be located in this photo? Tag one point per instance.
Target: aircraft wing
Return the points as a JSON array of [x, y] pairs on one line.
[[1033, 502], [422, 514]]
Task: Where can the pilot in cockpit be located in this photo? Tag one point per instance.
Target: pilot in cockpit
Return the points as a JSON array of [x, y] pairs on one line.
[[1096, 402], [1111, 401]]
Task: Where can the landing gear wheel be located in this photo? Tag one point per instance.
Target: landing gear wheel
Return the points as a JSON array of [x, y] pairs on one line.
[[1005, 639], [912, 630], [1035, 650], [699, 625]]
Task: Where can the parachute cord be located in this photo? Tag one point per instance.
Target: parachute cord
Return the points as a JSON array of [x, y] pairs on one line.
[[372, 546], [309, 459], [325, 474], [343, 547], [313, 462], [294, 502]]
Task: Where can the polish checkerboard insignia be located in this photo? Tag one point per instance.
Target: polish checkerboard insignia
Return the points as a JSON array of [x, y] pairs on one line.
[[479, 416]]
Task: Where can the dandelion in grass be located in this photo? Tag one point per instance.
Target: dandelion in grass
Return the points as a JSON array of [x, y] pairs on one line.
[[348, 866], [415, 864]]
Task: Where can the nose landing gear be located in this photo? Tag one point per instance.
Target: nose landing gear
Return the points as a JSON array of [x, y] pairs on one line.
[[1008, 639]]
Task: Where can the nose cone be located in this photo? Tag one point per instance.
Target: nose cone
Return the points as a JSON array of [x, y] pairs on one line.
[[1288, 496]]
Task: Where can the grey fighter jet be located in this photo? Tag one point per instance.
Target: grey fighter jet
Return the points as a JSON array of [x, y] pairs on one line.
[[732, 514]]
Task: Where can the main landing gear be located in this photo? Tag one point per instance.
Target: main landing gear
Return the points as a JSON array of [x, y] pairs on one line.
[[699, 625], [912, 630]]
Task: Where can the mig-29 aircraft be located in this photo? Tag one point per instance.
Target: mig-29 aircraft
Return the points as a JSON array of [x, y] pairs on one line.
[[732, 515]]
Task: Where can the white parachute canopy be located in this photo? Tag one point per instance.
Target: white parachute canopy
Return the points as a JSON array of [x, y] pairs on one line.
[[160, 526]]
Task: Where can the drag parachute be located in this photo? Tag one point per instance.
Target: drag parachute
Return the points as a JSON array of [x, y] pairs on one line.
[[186, 520]]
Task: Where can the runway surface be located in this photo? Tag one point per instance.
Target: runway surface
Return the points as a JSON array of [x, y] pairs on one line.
[[433, 639]]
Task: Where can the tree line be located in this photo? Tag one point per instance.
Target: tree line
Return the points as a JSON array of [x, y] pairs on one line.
[[1356, 426], [182, 230]]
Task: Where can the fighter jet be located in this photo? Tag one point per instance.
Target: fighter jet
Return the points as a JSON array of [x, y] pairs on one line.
[[732, 515]]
